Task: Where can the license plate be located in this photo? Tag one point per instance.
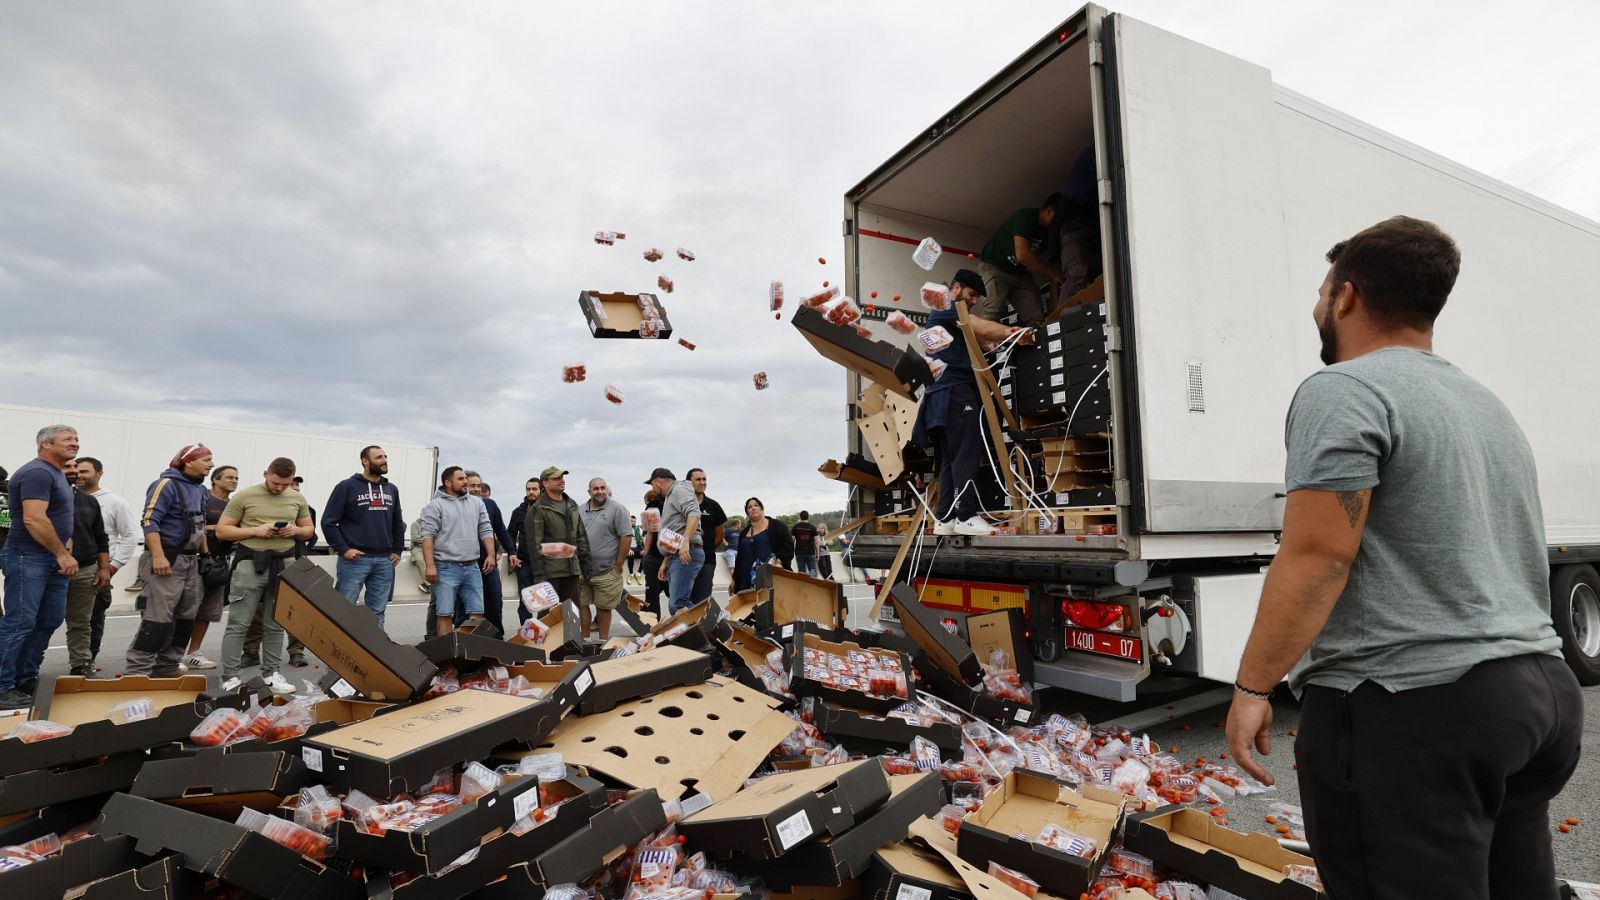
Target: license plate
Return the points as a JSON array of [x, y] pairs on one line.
[[1117, 645]]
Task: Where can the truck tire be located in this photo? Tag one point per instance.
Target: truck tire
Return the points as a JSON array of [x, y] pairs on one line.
[[1575, 610]]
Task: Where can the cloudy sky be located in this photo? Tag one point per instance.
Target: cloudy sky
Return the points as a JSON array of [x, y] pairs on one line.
[[373, 220]]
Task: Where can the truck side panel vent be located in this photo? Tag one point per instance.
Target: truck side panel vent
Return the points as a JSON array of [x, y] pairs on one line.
[[1197, 388]]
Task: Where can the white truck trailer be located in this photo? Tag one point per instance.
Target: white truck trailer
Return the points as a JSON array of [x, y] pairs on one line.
[[1219, 192], [134, 452]]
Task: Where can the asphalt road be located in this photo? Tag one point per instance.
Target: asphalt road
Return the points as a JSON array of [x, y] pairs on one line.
[[1163, 711]]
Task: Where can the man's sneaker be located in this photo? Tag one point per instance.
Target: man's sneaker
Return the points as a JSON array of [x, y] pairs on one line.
[[15, 699], [28, 687], [135, 588], [85, 671], [183, 668], [196, 661], [974, 526], [945, 529], [279, 685], [425, 587], [232, 684]]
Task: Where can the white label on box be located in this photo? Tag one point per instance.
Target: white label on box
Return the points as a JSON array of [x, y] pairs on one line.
[[1059, 398], [525, 803], [585, 679], [312, 757], [1058, 379], [1057, 362], [793, 830], [1022, 715], [344, 690], [1053, 327], [788, 631], [692, 805], [1054, 347], [908, 892]]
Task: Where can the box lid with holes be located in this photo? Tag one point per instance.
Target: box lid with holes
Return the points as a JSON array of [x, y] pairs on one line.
[[642, 674]]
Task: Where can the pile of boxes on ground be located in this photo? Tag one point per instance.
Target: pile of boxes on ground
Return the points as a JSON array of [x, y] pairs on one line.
[[761, 749]]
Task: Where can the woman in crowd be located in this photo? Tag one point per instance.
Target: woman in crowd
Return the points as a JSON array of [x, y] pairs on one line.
[[763, 539]]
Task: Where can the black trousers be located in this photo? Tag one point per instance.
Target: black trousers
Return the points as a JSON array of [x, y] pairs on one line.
[[956, 452], [654, 587], [1440, 791]]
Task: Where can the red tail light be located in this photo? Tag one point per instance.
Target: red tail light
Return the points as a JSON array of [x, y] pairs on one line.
[[1087, 614]]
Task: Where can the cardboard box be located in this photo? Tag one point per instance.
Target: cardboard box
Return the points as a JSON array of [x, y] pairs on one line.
[[849, 891], [437, 844], [833, 861], [400, 751], [974, 700], [348, 637], [20, 828], [230, 852], [897, 368], [742, 606], [875, 734], [28, 791], [802, 686], [906, 871], [1189, 840], [220, 784], [925, 627], [1005, 631], [702, 621], [705, 738], [854, 470], [980, 884], [326, 715], [643, 674], [622, 315], [1024, 804], [163, 879], [596, 844], [180, 704], [466, 650], [79, 862], [779, 812], [796, 598]]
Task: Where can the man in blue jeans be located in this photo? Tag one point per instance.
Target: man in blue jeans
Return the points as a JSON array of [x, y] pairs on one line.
[[36, 563], [680, 524], [452, 526], [363, 525]]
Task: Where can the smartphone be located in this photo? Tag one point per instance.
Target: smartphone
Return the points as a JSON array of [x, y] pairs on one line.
[[280, 525]]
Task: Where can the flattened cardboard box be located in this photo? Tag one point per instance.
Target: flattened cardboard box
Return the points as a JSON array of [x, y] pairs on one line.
[[777, 813], [232, 853], [466, 650], [1250, 865], [906, 871], [442, 841], [642, 674], [871, 730], [180, 704], [622, 315], [833, 861], [584, 852], [400, 750], [802, 686], [27, 791], [1003, 828], [348, 637], [220, 784], [926, 628], [705, 738]]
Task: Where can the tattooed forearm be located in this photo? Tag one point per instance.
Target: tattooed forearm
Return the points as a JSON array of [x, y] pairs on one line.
[[1352, 501]]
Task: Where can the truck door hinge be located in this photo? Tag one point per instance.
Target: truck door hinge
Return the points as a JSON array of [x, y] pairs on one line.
[[1103, 188], [1096, 54], [1113, 337], [1124, 491], [847, 226]]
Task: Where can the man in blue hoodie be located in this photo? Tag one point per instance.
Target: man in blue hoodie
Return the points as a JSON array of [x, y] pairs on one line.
[[174, 522], [363, 525]]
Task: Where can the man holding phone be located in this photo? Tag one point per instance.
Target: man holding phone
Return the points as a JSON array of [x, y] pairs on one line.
[[265, 520]]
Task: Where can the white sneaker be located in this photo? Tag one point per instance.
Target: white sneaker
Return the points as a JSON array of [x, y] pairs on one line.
[[974, 526], [196, 661], [279, 685], [231, 684], [945, 529], [183, 668]]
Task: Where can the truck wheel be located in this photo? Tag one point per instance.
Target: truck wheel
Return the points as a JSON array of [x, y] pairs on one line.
[[1575, 609], [1047, 649]]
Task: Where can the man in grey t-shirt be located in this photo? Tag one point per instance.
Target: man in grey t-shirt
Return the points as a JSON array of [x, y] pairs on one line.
[[680, 521], [1409, 602]]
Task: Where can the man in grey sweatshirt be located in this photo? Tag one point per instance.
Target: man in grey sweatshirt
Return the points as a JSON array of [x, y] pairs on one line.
[[452, 526]]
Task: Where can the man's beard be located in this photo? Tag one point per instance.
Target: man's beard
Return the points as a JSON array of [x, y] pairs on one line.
[[1330, 340], [378, 470]]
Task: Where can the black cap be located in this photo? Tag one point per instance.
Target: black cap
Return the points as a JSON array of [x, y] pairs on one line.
[[972, 280], [660, 472]]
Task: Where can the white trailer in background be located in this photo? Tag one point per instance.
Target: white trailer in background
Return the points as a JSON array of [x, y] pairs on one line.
[[135, 451], [1219, 193]]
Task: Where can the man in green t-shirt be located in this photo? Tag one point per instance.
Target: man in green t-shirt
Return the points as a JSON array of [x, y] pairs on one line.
[[265, 520], [1012, 267]]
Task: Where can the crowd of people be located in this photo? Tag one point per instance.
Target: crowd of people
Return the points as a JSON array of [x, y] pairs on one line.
[[211, 547]]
